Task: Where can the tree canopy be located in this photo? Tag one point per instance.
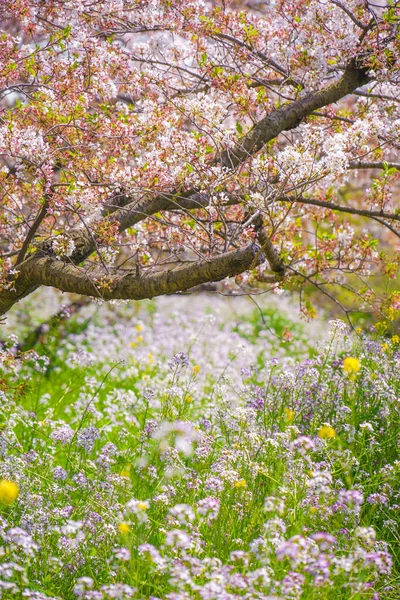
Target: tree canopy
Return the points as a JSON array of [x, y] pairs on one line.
[[150, 146]]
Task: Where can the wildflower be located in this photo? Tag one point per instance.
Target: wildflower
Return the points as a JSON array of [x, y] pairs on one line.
[[196, 369], [82, 585], [138, 328], [274, 505], [60, 473], [23, 539], [139, 339], [183, 513], [179, 361], [122, 554], [351, 365], [326, 432], [367, 426], [63, 434], [366, 534], [336, 326], [208, 507], [178, 538], [381, 327], [138, 508], [289, 415], [395, 339], [86, 438], [124, 528], [240, 483], [8, 491]]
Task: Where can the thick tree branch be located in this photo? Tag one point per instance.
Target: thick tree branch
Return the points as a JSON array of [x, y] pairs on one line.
[[267, 247], [46, 270], [359, 164]]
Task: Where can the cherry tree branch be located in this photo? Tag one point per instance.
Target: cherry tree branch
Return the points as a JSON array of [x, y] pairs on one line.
[[128, 284], [31, 233], [359, 164], [44, 269], [290, 115]]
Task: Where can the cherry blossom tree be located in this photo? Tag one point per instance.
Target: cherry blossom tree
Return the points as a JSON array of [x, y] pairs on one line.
[[150, 146]]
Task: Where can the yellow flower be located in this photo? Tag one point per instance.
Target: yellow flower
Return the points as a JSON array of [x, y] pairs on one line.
[[240, 483], [132, 344], [326, 432], [395, 339], [138, 328], [196, 369], [124, 528], [358, 330], [8, 491], [289, 414], [351, 365], [142, 505], [381, 327], [151, 358], [385, 347], [139, 339], [125, 472], [188, 399], [391, 313]]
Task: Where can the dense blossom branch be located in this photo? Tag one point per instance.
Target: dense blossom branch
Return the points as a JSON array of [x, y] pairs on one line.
[[140, 135], [288, 117]]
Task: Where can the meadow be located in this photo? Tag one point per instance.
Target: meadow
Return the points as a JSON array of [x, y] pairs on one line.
[[197, 449]]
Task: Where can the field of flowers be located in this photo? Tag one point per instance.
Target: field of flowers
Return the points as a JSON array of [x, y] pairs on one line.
[[199, 449]]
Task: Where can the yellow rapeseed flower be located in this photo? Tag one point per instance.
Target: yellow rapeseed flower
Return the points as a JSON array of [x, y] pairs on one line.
[[8, 491], [326, 432], [289, 415], [351, 365], [124, 528], [240, 483], [395, 339], [196, 369]]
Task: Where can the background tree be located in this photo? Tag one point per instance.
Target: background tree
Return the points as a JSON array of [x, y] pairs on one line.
[[151, 146]]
